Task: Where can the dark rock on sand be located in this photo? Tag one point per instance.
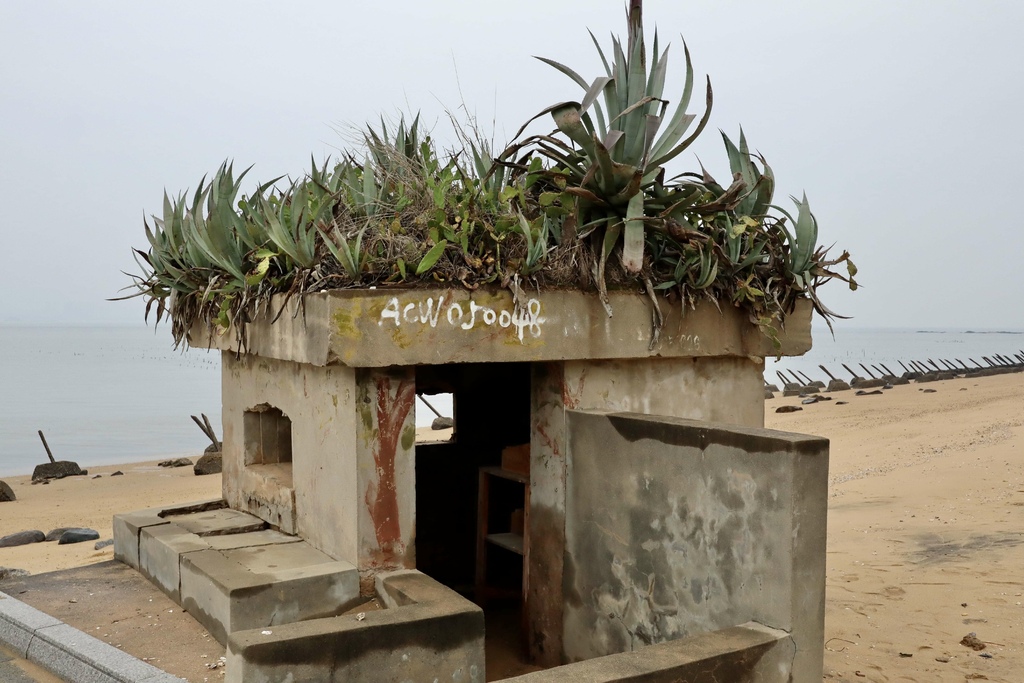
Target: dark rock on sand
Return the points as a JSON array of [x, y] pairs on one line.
[[12, 573], [78, 536], [787, 409], [177, 462], [22, 538], [55, 534], [972, 641], [100, 545], [210, 463], [6, 493], [442, 423], [119, 473], [57, 470], [868, 393]]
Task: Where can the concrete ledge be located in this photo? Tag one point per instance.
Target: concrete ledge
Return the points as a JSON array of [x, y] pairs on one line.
[[247, 588], [743, 654], [435, 326], [68, 652], [427, 633], [128, 526], [232, 574]]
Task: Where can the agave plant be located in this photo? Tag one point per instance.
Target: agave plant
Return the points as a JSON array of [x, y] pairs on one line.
[[552, 208], [616, 165]]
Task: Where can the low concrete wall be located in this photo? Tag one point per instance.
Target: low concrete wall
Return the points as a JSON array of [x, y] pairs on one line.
[[428, 633], [750, 653], [713, 526], [321, 404], [716, 389]]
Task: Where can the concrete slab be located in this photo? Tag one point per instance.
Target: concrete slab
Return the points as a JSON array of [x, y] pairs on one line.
[[250, 539], [126, 533], [430, 633], [216, 522], [254, 587], [160, 549], [127, 526]]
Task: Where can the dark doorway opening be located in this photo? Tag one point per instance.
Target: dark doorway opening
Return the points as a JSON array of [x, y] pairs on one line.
[[491, 414]]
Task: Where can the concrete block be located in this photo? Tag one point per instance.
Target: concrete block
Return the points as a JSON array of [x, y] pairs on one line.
[[126, 533], [254, 587], [432, 633], [160, 549]]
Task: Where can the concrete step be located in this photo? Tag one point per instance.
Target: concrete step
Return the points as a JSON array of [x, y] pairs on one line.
[[230, 572]]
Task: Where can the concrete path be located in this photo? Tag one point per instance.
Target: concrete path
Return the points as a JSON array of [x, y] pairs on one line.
[[67, 653]]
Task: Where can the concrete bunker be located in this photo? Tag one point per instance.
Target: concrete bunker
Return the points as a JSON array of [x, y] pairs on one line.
[[620, 492]]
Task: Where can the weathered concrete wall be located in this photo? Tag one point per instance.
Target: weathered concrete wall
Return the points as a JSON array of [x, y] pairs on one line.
[[719, 389], [427, 633], [386, 455], [350, 488], [316, 495], [713, 526], [380, 328]]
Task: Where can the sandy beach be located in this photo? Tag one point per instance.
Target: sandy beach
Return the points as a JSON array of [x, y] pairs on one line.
[[92, 503], [925, 530], [925, 538]]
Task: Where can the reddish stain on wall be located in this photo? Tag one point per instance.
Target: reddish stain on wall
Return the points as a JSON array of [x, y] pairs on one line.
[[382, 500]]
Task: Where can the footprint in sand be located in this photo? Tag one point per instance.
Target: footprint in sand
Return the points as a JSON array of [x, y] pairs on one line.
[[893, 592]]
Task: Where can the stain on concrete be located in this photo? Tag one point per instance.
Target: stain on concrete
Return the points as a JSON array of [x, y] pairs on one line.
[[702, 535], [392, 409]]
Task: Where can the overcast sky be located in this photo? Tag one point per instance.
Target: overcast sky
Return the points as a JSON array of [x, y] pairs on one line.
[[901, 121]]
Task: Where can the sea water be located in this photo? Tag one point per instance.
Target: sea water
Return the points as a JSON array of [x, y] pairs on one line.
[[102, 395], [872, 347], [105, 395]]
